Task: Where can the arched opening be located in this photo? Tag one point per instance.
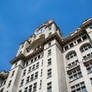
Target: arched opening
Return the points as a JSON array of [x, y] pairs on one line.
[[71, 54]]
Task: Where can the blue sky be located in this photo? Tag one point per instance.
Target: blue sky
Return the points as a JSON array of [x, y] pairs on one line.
[[19, 18]]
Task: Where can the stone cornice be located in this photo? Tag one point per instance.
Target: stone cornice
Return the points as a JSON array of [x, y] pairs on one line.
[[24, 58], [73, 36], [86, 23]]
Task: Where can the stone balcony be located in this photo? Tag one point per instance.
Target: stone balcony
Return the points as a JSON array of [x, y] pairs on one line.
[[87, 58], [69, 68]]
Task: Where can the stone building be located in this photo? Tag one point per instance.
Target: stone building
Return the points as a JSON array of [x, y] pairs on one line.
[[47, 62]]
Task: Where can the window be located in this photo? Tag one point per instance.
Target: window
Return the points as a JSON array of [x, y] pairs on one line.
[[79, 88], [24, 72], [71, 44], [85, 47], [79, 40], [20, 90], [31, 61], [49, 44], [22, 81], [32, 77], [9, 83], [89, 67], [41, 72], [28, 79], [25, 90], [84, 37], [35, 58], [90, 28], [66, 48], [42, 63], [29, 70], [26, 63], [30, 88], [91, 80], [74, 74], [39, 56], [33, 68], [73, 64], [49, 62], [12, 73], [49, 87], [49, 74], [37, 65], [49, 52], [35, 87], [36, 75], [71, 55], [49, 28], [40, 84]]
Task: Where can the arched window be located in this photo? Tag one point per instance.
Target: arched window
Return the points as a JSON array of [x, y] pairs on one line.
[[70, 55], [85, 47]]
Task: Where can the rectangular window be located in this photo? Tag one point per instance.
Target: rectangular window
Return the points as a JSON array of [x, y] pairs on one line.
[[35, 58], [49, 87], [71, 44], [40, 84], [30, 88], [25, 90], [79, 40], [66, 48], [89, 67], [39, 56], [26, 63], [36, 75], [41, 72], [49, 62], [37, 65], [91, 80], [49, 44], [33, 68], [35, 87], [31, 61], [79, 88], [12, 73], [28, 79], [32, 77], [24, 72], [22, 81], [30, 69], [75, 74], [49, 74], [9, 83], [84, 37], [49, 52]]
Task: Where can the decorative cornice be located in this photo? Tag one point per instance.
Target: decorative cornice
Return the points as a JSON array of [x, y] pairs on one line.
[[73, 36], [86, 23], [24, 58]]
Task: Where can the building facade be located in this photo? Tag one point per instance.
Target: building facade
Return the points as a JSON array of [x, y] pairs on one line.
[[47, 62]]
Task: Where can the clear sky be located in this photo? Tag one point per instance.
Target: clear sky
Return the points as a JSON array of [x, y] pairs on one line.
[[19, 18]]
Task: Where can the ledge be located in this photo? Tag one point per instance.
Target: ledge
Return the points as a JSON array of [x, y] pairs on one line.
[[24, 58]]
